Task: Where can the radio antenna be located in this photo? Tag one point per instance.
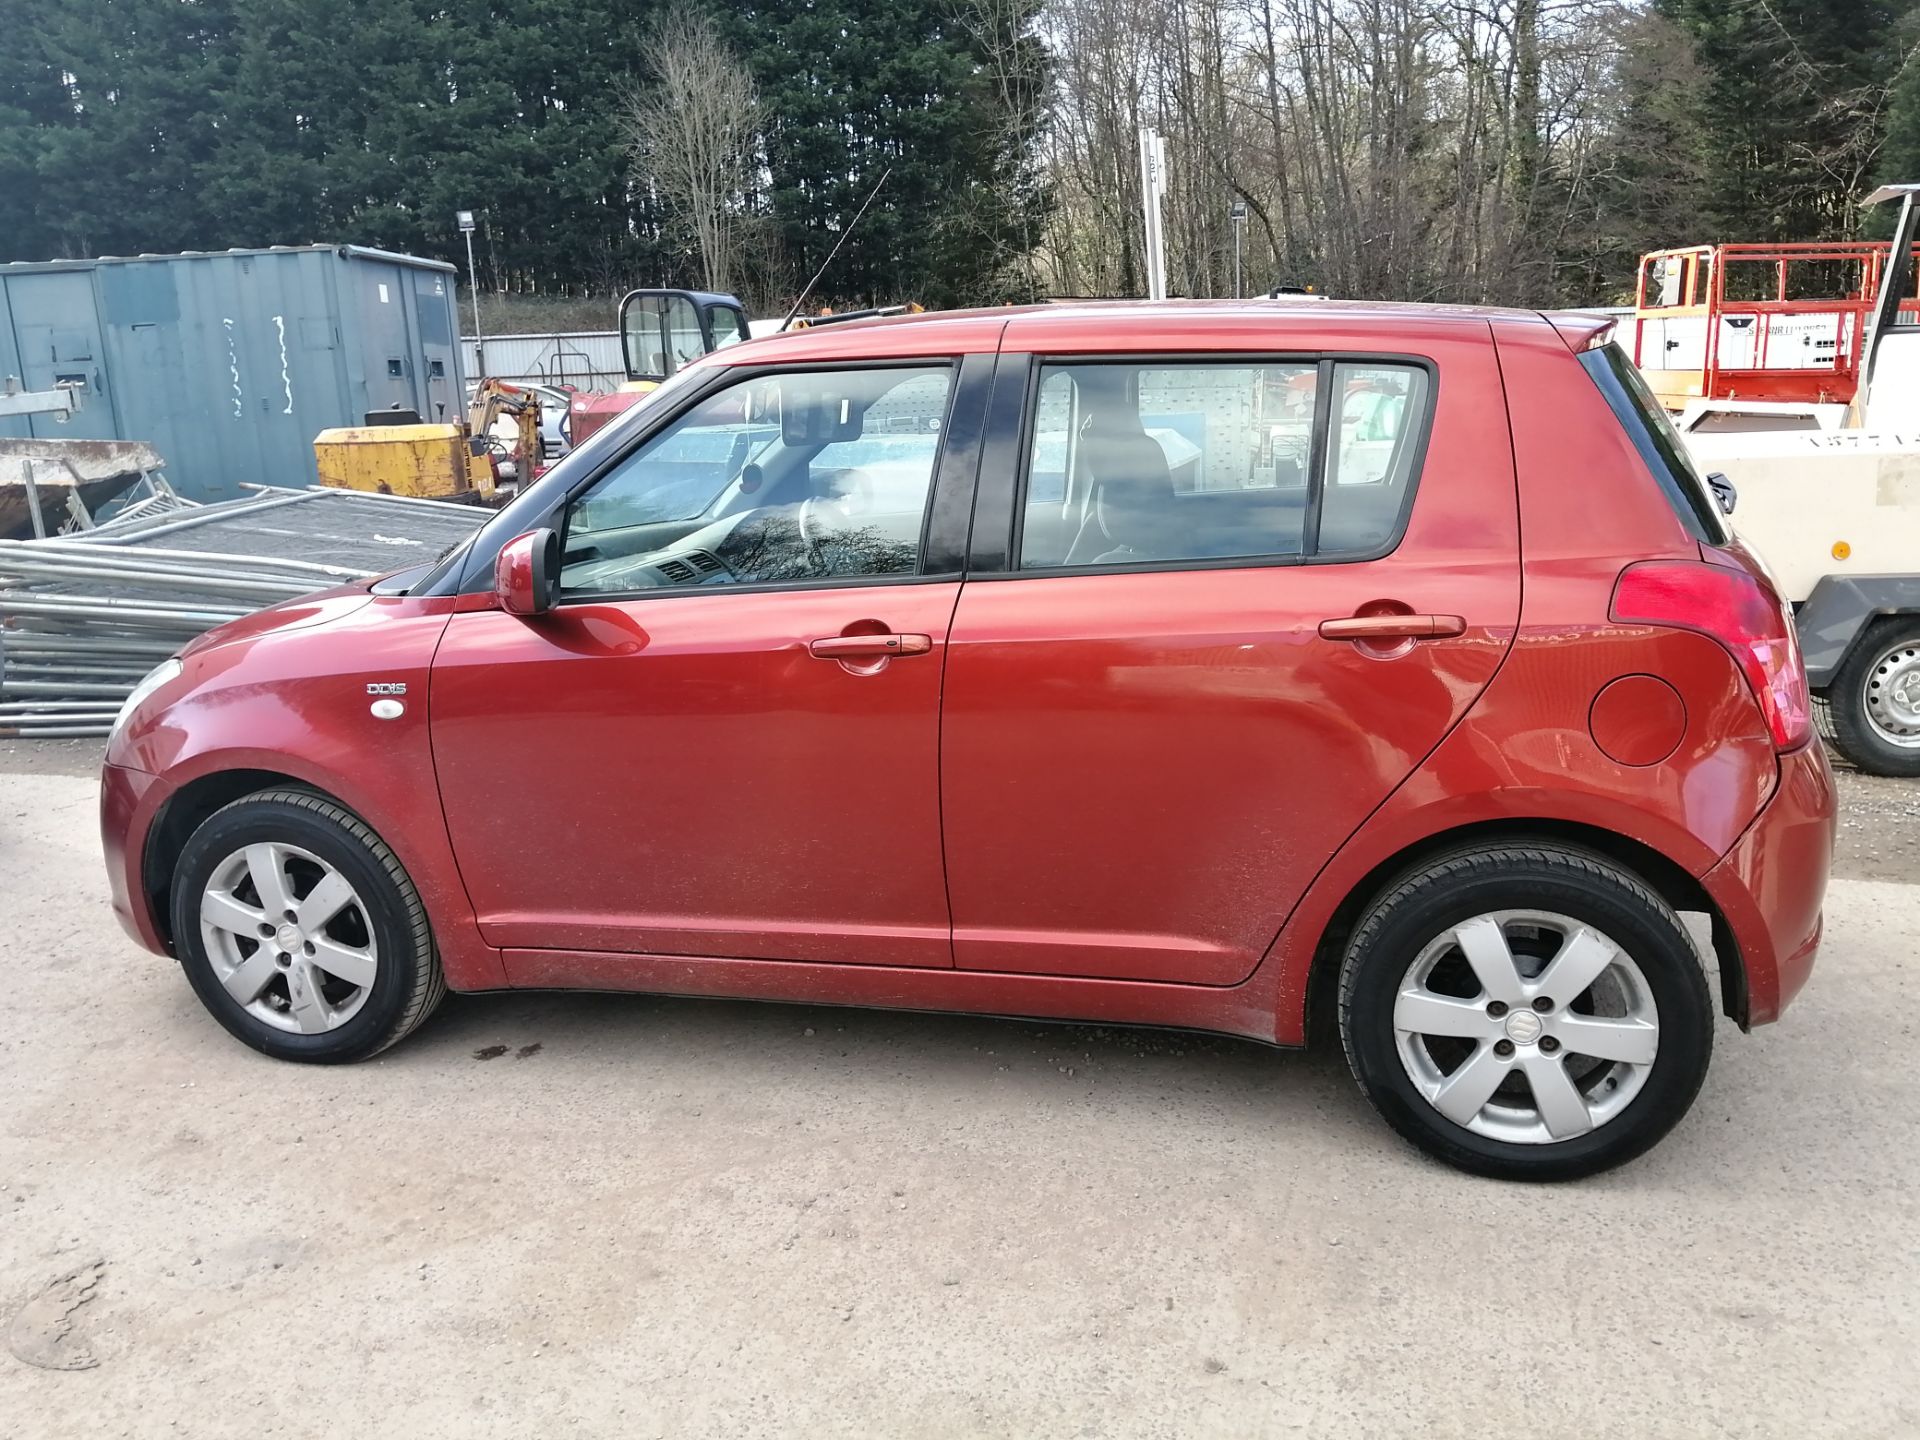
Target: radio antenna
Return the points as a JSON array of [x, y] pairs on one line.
[[851, 225]]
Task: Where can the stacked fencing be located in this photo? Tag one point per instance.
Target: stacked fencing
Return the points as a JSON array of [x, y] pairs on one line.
[[83, 617]]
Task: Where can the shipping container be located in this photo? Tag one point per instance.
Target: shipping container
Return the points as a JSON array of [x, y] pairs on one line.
[[229, 362]]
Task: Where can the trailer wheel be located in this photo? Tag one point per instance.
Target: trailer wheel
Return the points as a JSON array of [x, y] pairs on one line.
[[1874, 701]]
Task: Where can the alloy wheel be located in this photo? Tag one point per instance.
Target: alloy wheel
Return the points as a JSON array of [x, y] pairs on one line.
[[288, 937], [1526, 1026]]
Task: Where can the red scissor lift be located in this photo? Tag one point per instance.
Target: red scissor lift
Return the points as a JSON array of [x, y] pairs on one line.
[[1758, 322]]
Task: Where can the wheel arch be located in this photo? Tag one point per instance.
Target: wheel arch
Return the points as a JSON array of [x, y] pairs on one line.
[[1668, 879], [185, 810], [1836, 617]]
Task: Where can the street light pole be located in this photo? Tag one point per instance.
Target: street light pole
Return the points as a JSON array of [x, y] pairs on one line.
[[1153, 185], [1238, 214], [473, 283]]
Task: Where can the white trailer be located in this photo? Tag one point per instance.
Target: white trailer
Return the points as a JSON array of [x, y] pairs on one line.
[[1835, 513]]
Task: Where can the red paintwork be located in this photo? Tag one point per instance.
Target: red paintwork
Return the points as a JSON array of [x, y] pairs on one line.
[[1638, 720], [513, 576], [743, 797], [592, 412], [1129, 797], [285, 691], [1771, 884], [1143, 773]]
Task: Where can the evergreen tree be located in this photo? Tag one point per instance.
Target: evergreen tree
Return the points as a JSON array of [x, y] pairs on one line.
[[1788, 111], [855, 88]]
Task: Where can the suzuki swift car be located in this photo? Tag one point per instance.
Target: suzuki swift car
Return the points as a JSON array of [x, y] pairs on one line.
[[1221, 666]]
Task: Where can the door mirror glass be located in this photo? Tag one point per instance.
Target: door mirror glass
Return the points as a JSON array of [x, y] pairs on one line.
[[524, 573]]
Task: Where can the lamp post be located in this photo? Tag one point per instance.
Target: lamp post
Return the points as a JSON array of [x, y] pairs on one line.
[[465, 217], [1238, 214], [1153, 185]]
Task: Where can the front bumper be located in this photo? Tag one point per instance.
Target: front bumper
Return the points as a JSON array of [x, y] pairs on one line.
[[1771, 885], [129, 799]]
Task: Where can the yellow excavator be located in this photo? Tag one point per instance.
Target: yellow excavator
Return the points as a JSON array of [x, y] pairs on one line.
[[396, 453]]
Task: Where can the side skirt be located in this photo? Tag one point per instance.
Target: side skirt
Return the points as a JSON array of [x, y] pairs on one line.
[[1243, 1010]]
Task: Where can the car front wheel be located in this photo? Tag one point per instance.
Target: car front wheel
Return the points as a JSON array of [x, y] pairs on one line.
[[1526, 1012], [300, 931]]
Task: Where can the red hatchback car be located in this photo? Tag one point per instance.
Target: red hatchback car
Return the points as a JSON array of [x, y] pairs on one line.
[[1204, 665]]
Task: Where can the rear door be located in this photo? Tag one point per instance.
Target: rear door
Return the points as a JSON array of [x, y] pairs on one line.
[[1155, 731]]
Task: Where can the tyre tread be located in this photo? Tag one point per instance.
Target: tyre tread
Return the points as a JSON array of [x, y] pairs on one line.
[[427, 985], [1475, 862], [1852, 734]]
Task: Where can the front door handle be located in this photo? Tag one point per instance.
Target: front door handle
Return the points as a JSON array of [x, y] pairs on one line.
[[869, 647], [1392, 627]]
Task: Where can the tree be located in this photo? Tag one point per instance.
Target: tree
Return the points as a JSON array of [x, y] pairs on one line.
[[1791, 109], [853, 89], [691, 134]]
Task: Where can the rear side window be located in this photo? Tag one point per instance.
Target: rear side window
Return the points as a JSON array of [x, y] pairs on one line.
[[1144, 464], [1659, 444]]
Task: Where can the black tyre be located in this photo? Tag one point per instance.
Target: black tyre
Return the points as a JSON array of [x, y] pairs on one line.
[[1525, 1012], [300, 932], [1874, 700]]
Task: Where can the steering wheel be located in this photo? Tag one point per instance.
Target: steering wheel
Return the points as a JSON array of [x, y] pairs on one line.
[[822, 514]]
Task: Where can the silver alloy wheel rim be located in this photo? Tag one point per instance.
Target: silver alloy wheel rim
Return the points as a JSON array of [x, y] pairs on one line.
[[1573, 1013], [288, 938], [1892, 695]]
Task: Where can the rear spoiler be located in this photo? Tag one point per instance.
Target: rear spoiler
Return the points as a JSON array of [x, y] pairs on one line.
[[1581, 329]]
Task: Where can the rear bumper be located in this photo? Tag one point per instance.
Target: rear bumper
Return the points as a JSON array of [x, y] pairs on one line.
[[1771, 885], [129, 799]]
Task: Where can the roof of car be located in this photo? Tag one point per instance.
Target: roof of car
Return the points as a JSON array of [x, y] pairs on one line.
[[1134, 325]]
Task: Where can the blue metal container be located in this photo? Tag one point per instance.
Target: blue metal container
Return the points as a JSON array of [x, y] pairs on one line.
[[230, 362]]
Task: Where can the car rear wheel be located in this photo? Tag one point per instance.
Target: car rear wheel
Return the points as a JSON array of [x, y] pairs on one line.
[[300, 931], [1874, 701], [1529, 1013]]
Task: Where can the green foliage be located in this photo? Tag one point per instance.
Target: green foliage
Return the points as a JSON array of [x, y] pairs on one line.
[[1787, 110], [1900, 157], [160, 125], [857, 87]]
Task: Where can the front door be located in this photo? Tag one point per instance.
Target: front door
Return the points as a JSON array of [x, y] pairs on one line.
[[1153, 739], [724, 739]]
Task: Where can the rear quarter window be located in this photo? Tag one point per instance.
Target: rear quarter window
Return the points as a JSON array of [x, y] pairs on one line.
[[1659, 443]]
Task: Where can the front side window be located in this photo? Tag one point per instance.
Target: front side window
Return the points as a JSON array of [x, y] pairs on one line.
[[791, 478], [1143, 464]]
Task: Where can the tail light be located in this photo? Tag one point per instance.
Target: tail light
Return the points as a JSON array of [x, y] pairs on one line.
[[1736, 608]]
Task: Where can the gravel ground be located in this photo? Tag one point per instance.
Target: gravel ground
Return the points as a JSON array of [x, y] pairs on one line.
[[569, 1214]]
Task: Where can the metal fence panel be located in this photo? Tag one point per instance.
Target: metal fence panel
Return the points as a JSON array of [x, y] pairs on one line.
[[585, 359]]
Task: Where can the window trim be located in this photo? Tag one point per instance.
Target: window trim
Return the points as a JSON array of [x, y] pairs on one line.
[[730, 376], [1325, 362], [1689, 496]]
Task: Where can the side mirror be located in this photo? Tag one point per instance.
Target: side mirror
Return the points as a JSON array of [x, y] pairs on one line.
[[526, 572], [1723, 492]]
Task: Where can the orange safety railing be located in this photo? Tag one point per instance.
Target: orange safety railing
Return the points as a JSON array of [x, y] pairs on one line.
[[1790, 330]]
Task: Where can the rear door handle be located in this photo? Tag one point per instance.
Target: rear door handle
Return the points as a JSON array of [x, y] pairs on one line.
[[869, 647], [1392, 627]]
